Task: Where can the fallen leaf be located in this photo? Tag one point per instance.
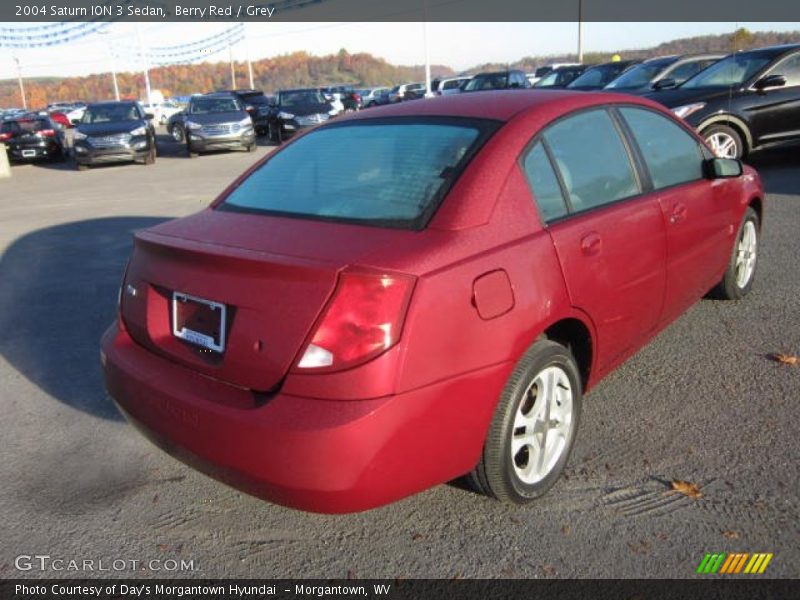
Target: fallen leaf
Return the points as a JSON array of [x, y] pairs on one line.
[[687, 488], [163, 547], [786, 359], [155, 499], [351, 575], [549, 570], [731, 535], [457, 576], [417, 536], [565, 529]]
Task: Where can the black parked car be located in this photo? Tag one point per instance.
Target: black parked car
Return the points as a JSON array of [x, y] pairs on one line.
[[499, 80], [257, 106], [661, 73], [295, 110], [561, 77], [746, 101], [33, 138], [217, 121], [599, 76], [114, 132]]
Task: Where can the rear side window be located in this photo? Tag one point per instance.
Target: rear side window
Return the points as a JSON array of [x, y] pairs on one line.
[[390, 173], [592, 160], [672, 156], [544, 183]]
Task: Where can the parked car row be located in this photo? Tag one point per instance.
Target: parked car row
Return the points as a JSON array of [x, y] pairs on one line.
[[738, 103]]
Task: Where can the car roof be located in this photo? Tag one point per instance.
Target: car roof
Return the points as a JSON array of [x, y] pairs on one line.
[[498, 105], [217, 95], [770, 51], [113, 103]]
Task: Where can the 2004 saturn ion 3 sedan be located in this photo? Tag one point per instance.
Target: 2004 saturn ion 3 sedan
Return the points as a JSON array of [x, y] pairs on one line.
[[339, 330]]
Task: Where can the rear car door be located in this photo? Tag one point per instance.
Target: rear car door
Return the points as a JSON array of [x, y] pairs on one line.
[[697, 213], [609, 236]]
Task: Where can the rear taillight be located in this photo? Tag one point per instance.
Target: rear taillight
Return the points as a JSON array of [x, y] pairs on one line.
[[4, 137], [363, 319], [47, 133]]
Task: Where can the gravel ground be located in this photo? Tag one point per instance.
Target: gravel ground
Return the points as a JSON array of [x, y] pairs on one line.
[[702, 403]]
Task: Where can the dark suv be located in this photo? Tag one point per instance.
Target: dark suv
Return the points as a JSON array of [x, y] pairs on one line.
[[33, 138], [746, 101], [114, 132], [257, 106], [498, 80], [599, 76], [295, 110], [217, 122]]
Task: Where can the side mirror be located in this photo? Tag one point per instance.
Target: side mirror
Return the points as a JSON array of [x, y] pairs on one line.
[[149, 116], [665, 84], [770, 81], [722, 168]]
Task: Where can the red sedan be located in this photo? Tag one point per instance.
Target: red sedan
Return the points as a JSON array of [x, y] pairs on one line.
[[341, 329]]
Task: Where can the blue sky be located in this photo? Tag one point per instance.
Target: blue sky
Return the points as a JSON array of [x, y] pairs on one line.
[[459, 45]]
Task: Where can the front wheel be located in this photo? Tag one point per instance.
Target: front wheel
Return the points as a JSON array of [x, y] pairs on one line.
[[725, 141], [534, 426], [740, 274], [177, 134]]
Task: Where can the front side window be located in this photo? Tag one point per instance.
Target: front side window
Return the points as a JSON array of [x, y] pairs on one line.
[[394, 174], [672, 156], [544, 183], [636, 77], [686, 70], [592, 159], [790, 69]]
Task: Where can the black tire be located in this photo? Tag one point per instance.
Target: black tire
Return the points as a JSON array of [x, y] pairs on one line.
[[150, 159], [730, 288], [189, 152], [741, 146], [177, 134], [496, 475]]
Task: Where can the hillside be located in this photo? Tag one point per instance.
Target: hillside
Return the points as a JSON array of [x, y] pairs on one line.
[[300, 69]]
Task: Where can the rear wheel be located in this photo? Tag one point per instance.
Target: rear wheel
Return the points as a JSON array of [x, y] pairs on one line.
[[534, 426], [725, 141], [740, 274]]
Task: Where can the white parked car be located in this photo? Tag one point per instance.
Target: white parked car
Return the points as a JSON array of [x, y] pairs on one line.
[[447, 87], [161, 111]]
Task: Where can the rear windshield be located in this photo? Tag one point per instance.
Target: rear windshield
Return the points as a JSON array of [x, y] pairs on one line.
[[25, 126], [394, 172], [492, 81]]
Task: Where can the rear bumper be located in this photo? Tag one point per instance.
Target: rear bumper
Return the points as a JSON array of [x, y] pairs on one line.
[[18, 153], [312, 454]]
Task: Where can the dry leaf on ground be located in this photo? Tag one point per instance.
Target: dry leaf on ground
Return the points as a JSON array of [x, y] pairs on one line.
[[786, 359], [687, 488]]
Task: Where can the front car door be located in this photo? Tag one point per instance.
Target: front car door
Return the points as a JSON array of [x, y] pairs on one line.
[[775, 112], [610, 237], [697, 212]]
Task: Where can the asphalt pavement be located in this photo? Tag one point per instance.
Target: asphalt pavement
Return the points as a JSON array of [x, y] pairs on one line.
[[703, 403]]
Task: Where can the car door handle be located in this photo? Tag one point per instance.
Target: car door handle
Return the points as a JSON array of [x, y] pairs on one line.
[[590, 244], [679, 212]]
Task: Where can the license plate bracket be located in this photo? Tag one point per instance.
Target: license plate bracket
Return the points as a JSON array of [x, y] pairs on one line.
[[199, 321], [28, 153]]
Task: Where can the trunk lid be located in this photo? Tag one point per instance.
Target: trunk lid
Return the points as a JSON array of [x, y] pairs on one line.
[[274, 276]]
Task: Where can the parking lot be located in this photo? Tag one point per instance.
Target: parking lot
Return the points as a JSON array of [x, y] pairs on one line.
[[702, 403]]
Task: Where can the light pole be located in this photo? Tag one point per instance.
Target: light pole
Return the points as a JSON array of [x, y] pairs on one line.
[[428, 92], [249, 62], [21, 85], [233, 70], [144, 65], [113, 65], [580, 31]]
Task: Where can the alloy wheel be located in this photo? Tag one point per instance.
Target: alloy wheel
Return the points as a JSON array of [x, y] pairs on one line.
[[723, 145], [746, 252], [542, 425]]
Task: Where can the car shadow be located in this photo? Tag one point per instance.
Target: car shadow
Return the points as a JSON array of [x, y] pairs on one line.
[[58, 294]]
